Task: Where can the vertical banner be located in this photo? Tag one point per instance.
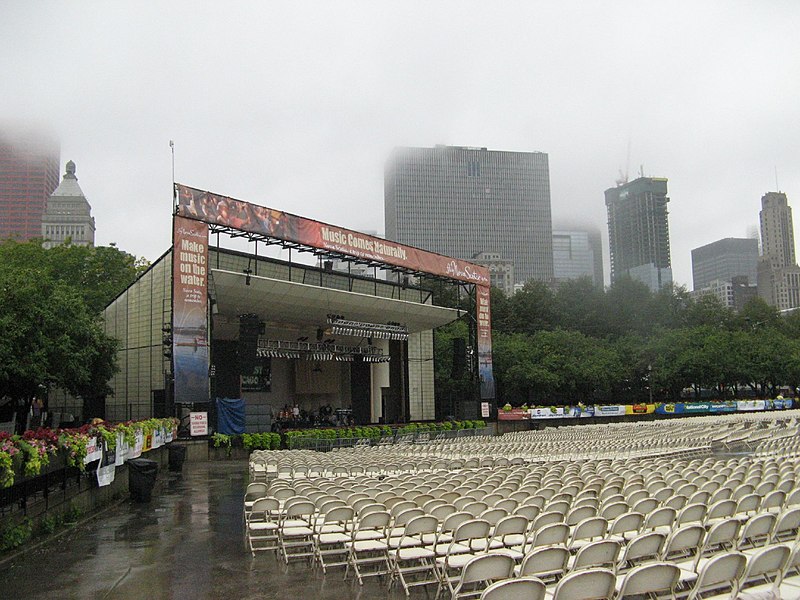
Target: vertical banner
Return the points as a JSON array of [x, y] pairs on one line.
[[485, 343], [190, 310]]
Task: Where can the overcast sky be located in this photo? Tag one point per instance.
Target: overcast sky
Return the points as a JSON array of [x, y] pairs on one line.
[[297, 105]]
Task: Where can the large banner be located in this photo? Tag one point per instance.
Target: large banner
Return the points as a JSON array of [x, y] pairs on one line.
[[190, 310], [220, 210], [485, 343], [228, 212]]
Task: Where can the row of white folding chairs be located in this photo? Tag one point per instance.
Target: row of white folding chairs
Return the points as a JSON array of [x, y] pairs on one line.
[[634, 490], [686, 529], [693, 551], [727, 575], [581, 523]]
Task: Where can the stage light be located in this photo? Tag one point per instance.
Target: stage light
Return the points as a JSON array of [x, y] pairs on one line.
[[318, 351], [386, 331]]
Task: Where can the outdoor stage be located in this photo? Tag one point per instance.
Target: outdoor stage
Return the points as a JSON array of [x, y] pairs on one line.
[[345, 337]]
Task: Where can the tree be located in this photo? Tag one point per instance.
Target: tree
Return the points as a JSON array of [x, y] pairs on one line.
[[501, 310], [708, 310], [520, 376], [756, 313], [668, 307], [531, 309], [628, 307], [50, 334], [49, 339], [581, 306], [554, 366], [636, 363], [100, 273], [671, 364]]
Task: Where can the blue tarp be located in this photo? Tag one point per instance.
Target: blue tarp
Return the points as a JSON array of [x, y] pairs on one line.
[[230, 415]]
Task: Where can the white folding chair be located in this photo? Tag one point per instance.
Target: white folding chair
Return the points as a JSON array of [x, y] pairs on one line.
[[720, 574], [368, 545], [413, 556], [296, 530], [548, 563], [525, 588], [649, 579], [597, 584], [331, 535], [765, 565], [480, 571], [261, 525]]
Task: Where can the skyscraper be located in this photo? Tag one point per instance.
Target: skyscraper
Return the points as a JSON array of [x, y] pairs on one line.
[[723, 260], [638, 231], [29, 165], [68, 215], [462, 201], [778, 273], [577, 253]]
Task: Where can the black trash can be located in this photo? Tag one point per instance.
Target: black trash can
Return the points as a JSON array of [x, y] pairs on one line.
[[177, 454], [141, 478]]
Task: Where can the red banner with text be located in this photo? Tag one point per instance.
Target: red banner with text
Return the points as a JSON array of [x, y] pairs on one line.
[[220, 210]]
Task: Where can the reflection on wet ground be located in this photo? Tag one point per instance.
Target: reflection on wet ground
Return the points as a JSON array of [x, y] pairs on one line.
[[187, 543]]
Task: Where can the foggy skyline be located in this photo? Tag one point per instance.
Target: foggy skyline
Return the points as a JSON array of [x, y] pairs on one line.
[[298, 107]]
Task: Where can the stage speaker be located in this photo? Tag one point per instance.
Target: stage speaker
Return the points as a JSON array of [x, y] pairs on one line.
[[459, 358], [249, 329]]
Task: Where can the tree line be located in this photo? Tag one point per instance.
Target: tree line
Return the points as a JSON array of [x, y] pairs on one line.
[[626, 344]]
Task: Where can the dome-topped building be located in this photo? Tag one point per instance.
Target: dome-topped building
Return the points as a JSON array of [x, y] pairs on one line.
[[68, 215]]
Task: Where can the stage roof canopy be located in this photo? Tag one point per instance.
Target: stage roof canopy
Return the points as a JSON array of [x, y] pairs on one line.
[[276, 300]]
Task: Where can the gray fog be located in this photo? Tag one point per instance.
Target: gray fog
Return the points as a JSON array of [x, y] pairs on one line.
[[297, 105]]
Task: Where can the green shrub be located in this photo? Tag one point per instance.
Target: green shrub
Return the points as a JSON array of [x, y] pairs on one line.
[[72, 513], [48, 524], [16, 535]]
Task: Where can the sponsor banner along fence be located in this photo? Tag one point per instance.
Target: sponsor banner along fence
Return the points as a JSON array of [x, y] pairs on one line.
[[109, 459], [640, 409], [619, 410]]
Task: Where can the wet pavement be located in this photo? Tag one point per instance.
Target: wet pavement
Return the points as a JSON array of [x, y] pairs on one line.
[[188, 542]]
